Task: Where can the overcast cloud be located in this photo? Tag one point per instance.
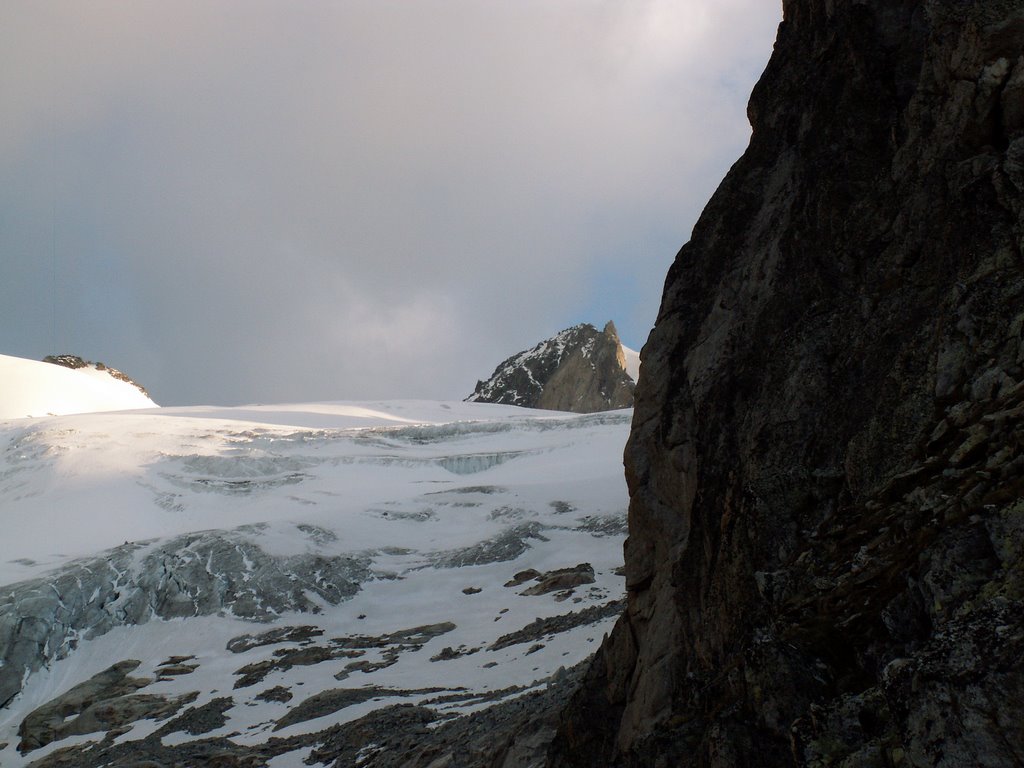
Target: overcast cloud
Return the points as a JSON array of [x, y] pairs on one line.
[[269, 201]]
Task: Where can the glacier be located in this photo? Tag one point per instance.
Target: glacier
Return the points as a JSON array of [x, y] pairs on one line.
[[252, 579]]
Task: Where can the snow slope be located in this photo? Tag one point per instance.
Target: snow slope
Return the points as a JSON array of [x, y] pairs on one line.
[[632, 362], [380, 541], [30, 388]]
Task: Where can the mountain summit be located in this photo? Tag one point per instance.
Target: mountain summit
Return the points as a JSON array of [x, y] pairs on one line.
[[579, 369], [29, 388], [75, 363]]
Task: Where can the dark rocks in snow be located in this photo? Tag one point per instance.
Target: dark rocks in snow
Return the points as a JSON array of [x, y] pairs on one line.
[[191, 575], [74, 363], [393, 645], [174, 660], [176, 670], [825, 464], [278, 693], [448, 653], [580, 369], [198, 720], [522, 577], [541, 628], [335, 699], [412, 637], [561, 579], [511, 734], [105, 702], [301, 634], [509, 545], [286, 658], [604, 525]]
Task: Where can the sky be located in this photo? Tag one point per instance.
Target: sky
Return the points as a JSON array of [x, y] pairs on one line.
[[260, 202]]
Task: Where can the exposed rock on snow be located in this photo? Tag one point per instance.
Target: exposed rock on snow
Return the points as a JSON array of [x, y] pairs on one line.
[[194, 575], [32, 388], [76, 363], [559, 580], [106, 702], [285, 591], [580, 370], [540, 628]]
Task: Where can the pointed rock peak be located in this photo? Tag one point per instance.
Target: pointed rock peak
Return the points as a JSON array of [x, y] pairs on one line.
[[579, 369]]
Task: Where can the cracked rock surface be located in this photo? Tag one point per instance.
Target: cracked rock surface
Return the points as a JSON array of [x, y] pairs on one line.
[[825, 463]]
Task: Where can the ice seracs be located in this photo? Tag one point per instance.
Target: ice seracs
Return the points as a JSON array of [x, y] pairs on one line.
[[277, 580]]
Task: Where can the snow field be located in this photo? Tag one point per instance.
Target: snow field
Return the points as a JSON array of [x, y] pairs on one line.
[[440, 498]]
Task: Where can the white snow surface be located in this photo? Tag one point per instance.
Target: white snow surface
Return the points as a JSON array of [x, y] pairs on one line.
[[632, 363], [404, 483], [29, 388]]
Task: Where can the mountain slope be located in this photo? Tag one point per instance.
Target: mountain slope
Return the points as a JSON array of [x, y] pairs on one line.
[[269, 584], [31, 388], [825, 463], [579, 369]]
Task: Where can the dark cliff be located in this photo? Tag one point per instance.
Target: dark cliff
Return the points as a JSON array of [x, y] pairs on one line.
[[826, 522], [579, 369]]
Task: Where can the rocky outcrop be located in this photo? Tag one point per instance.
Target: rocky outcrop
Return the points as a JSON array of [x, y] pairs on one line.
[[74, 362], [580, 370], [824, 555], [105, 702]]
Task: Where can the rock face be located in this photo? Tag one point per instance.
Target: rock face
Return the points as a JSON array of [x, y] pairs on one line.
[[826, 519], [580, 370]]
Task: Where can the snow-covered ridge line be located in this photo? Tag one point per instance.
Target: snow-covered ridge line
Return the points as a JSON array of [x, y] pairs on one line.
[[31, 389]]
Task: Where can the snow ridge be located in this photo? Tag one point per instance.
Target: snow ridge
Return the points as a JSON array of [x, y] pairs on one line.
[[29, 388]]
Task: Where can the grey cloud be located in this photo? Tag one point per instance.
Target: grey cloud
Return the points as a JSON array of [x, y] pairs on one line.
[[266, 201]]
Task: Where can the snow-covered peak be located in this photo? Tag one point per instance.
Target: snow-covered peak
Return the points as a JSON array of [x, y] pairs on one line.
[[275, 579], [579, 369], [31, 388]]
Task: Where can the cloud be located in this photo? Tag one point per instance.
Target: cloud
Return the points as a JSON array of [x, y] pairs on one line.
[[259, 201]]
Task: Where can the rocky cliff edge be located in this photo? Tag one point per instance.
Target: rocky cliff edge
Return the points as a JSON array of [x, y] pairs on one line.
[[826, 520]]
